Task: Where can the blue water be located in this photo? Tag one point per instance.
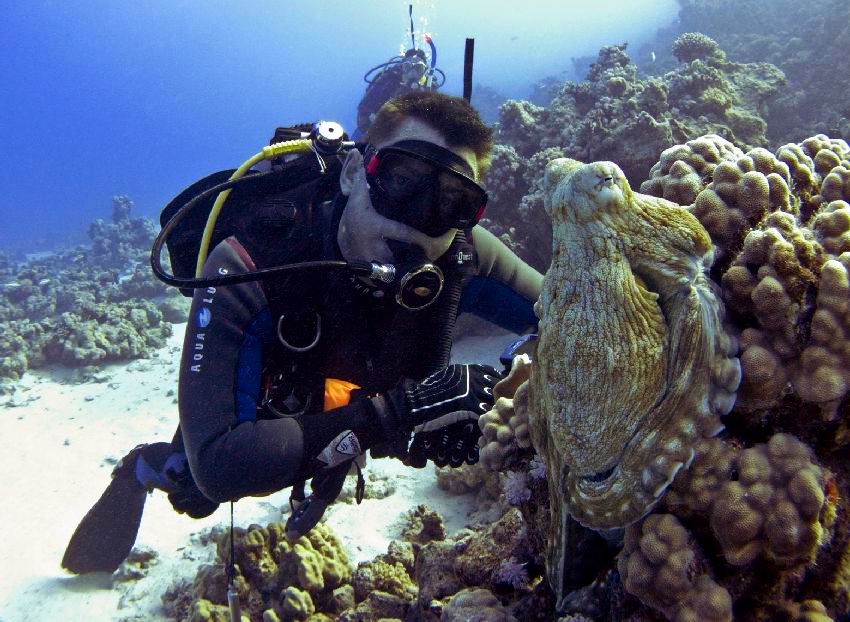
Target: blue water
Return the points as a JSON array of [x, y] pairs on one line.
[[141, 98]]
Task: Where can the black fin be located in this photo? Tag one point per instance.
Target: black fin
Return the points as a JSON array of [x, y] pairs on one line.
[[106, 535]]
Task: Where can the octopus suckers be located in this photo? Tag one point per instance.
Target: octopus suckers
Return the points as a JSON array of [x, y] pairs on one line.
[[687, 427], [674, 445]]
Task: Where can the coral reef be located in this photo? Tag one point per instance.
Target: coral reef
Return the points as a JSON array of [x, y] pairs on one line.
[[615, 115], [477, 604], [470, 479], [753, 523], [480, 561], [87, 305], [805, 40], [311, 579], [780, 225], [663, 567], [423, 525], [292, 580]]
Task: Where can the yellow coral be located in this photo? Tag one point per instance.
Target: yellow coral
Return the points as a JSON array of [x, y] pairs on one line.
[[826, 153], [205, 611], [765, 377], [504, 427], [831, 226], [315, 561], [389, 577], [771, 278], [296, 603], [774, 506], [836, 184], [741, 194], [661, 565], [469, 478], [822, 375], [680, 174], [695, 489], [706, 602]]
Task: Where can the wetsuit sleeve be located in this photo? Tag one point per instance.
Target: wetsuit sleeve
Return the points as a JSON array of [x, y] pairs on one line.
[[219, 387], [505, 289]]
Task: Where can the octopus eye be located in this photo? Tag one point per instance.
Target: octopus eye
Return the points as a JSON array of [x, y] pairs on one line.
[[600, 477]]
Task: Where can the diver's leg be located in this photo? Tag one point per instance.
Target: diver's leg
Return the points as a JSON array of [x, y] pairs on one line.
[[106, 535]]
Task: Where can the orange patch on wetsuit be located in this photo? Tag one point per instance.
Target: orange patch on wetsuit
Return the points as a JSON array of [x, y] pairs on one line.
[[338, 392]]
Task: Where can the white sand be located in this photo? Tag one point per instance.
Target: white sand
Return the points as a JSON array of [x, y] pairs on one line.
[[57, 450]]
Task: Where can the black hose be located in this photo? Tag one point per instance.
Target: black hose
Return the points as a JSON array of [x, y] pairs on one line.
[[442, 82], [395, 60]]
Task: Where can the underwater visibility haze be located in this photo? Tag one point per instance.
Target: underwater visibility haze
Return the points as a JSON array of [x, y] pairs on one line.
[[668, 437], [105, 98]]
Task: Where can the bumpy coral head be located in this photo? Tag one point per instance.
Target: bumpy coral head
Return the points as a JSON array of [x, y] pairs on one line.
[[592, 190]]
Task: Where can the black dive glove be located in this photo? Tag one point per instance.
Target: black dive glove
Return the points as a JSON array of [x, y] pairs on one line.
[[183, 492], [446, 405]]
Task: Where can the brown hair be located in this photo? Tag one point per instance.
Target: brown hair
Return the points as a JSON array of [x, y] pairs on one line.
[[453, 117]]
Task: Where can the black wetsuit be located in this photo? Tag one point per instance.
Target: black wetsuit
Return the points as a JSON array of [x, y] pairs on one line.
[[235, 443]]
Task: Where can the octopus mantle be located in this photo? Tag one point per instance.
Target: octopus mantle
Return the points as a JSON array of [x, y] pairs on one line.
[[633, 364]]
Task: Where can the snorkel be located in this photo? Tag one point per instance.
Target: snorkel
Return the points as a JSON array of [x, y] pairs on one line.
[[430, 76]]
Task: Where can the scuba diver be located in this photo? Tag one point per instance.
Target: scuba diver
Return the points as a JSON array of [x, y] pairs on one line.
[[321, 321], [401, 74]]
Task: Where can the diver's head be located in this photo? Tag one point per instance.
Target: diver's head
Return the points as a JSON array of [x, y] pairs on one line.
[[413, 67], [417, 183]]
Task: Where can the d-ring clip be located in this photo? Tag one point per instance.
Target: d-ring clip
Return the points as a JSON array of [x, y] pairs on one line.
[[294, 348]]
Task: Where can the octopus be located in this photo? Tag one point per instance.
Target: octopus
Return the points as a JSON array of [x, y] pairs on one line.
[[633, 364]]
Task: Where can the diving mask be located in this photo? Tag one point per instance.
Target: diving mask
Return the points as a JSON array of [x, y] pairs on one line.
[[425, 186]]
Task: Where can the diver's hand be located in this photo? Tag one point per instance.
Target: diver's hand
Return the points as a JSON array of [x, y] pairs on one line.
[[447, 400], [448, 440], [185, 497], [456, 388]]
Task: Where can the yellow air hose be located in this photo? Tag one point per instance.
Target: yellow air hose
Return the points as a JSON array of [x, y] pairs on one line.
[[271, 151]]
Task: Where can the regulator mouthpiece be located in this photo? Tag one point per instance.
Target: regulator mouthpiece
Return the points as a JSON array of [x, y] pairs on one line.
[[414, 285], [420, 286]]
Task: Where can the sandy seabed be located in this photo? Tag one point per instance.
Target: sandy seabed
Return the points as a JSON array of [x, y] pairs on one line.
[[59, 444]]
